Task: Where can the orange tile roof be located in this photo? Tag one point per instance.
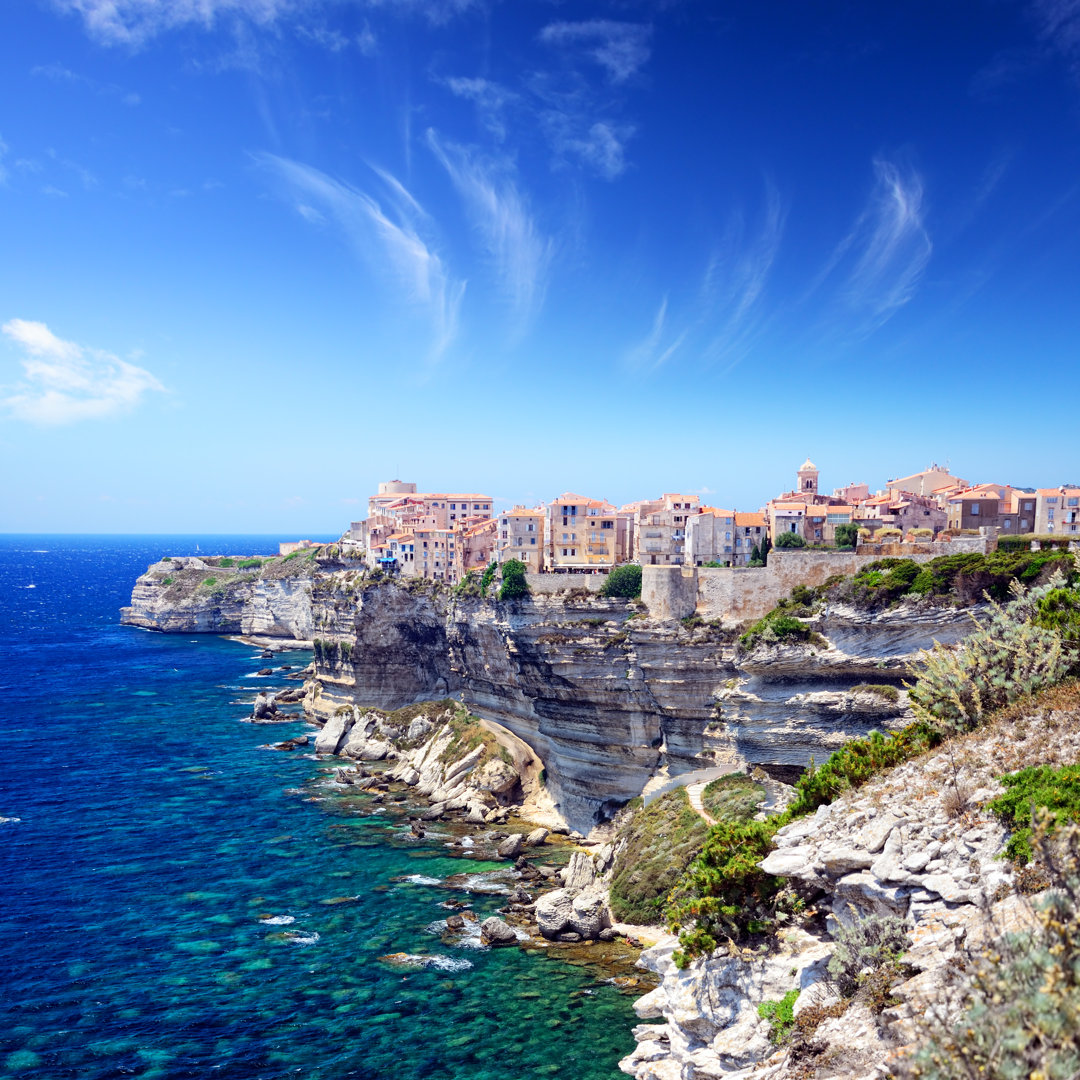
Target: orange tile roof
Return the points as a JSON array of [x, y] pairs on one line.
[[748, 518]]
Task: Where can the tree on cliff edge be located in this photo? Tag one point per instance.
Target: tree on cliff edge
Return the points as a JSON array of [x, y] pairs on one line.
[[623, 581], [514, 585]]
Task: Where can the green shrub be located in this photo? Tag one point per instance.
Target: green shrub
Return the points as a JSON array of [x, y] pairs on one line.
[[624, 581], [857, 762], [781, 1016], [488, 577], [846, 536], [210, 582], [660, 841], [866, 946], [249, 564], [1005, 659], [1054, 789], [724, 893], [167, 580], [514, 585], [961, 578], [789, 540], [713, 564], [883, 690], [775, 627], [226, 562]]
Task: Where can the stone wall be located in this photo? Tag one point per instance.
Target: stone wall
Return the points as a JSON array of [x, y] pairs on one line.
[[670, 592], [740, 594], [546, 584]]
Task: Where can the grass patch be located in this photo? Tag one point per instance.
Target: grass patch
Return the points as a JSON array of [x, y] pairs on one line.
[[733, 798], [774, 628], [1037, 787], [781, 1016], [249, 564], [167, 580], [882, 690], [210, 582], [661, 839]]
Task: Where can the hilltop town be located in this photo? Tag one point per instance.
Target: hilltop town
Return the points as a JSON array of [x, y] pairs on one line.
[[443, 536]]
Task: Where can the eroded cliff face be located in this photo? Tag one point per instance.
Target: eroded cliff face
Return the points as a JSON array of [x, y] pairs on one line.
[[607, 697]]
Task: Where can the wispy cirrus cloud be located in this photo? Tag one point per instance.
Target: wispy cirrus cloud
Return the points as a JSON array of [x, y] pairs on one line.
[[64, 382], [723, 318], [133, 22], [1059, 27], [657, 347], [620, 48], [517, 248], [881, 261], [56, 72], [387, 234], [490, 98], [735, 280]]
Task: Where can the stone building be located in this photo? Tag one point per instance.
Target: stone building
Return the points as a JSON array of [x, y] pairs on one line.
[[520, 535], [1057, 510], [585, 534]]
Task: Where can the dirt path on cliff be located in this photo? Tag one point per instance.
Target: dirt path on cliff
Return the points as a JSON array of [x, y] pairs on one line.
[[694, 793]]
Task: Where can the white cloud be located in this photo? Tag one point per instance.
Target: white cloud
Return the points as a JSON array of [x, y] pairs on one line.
[[490, 99], [133, 22], [887, 249], [386, 237], [519, 251], [601, 148], [653, 351], [620, 48], [64, 382], [60, 74], [310, 214]]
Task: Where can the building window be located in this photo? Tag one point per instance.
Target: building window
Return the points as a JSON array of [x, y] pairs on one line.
[[607, 524], [975, 510]]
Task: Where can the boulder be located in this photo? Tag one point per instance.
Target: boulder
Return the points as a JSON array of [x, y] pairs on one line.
[[497, 776], [494, 931], [536, 837], [419, 727], [554, 912], [511, 847], [579, 872], [568, 911], [333, 734], [475, 814], [264, 707]]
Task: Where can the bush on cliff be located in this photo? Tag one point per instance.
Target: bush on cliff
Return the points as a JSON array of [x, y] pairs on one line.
[[1041, 787], [514, 585], [624, 581], [1009, 656], [961, 579]]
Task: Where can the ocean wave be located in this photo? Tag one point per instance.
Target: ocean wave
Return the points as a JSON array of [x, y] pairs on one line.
[[421, 960], [420, 879], [296, 938], [10, 820], [278, 920]]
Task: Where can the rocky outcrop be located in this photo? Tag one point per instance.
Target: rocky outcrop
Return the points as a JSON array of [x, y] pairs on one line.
[[916, 844], [188, 594]]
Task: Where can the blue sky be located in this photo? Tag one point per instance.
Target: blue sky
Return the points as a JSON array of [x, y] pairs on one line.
[[259, 254]]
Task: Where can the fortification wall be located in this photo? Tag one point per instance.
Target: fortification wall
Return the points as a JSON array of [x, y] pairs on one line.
[[669, 592], [741, 593], [546, 584]]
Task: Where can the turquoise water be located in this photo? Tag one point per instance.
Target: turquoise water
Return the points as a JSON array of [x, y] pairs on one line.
[[157, 840]]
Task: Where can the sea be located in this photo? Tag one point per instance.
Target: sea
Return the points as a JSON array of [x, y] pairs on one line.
[[178, 901]]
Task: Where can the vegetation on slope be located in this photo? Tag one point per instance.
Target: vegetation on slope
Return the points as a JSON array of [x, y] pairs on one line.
[[660, 840], [724, 892]]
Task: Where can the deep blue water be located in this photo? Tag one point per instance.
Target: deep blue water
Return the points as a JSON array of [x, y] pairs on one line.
[[155, 839]]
